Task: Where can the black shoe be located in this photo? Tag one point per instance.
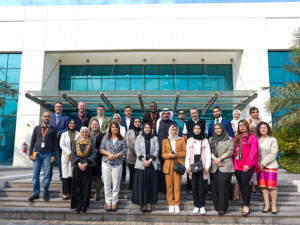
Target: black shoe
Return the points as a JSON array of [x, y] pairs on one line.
[[149, 210], [84, 209], [123, 179], [221, 213], [78, 209], [266, 211], [33, 197], [46, 197], [97, 198]]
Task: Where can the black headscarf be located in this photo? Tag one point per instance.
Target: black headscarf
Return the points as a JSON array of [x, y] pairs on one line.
[[72, 132], [147, 136], [69, 124], [137, 129], [198, 136], [218, 138]]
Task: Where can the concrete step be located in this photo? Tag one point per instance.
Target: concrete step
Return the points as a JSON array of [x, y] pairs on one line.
[[127, 204], [211, 217]]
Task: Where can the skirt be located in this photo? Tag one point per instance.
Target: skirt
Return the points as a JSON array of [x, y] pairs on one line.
[[145, 186], [267, 178]]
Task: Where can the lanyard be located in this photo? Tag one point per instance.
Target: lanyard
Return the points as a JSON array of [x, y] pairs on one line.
[[82, 120], [153, 121], [44, 134]]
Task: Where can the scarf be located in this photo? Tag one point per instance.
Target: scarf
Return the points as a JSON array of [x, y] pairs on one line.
[[82, 141], [218, 138], [198, 137], [239, 152], [149, 135], [136, 130], [72, 134], [236, 122], [173, 138]]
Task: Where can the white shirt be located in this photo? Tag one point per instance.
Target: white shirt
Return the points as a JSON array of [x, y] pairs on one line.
[[173, 145], [220, 120], [197, 152], [184, 130], [128, 122], [100, 121]]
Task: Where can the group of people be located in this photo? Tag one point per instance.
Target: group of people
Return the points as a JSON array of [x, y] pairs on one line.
[[158, 151]]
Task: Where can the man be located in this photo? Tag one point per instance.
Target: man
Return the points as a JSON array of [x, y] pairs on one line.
[[152, 117], [42, 151], [181, 123], [104, 121], [162, 130], [60, 122], [217, 112], [82, 118], [127, 121], [190, 126]]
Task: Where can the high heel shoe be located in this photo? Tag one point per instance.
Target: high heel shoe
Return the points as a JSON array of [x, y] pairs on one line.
[[266, 211], [246, 214]]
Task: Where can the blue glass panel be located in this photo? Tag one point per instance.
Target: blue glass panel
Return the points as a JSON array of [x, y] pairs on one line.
[[277, 84], [182, 84], [108, 84], [9, 123], [13, 75], [123, 72], [195, 71], [152, 84], [166, 84], [181, 70], [6, 157], [122, 84], [94, 84], [10, 108], [80, 84], [195, 84], [225, 71], [275, 59], [137, 70], [276, 74], [287, 57], [1, 123], [3, 74], [80, 71], [14, 60], [8, 141], [137, 84], [66, 72], [3, 60], [211, 70], [166, 71], [152, 71], [108, 70], [228, 86], [210, 84], [65, 84], [13, 86], [94, 70]]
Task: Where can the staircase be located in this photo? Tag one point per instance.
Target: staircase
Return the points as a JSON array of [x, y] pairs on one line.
[[14, 205]]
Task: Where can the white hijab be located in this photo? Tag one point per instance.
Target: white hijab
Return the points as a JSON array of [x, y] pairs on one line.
[[171, 137], [234, 121], [81, 129]]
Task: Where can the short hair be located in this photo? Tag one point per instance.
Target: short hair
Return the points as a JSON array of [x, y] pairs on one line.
[[96, 121], [100, 106], [268, 127], [128, 107], [193, 108], [181, 110], [58, 102], [217, 107], [153, 103], [252, 109]]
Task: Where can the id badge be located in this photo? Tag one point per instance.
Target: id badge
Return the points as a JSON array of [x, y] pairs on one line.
[[43, 144]]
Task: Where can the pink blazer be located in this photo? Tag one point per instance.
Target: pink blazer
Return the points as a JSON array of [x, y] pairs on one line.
[[250, 154]]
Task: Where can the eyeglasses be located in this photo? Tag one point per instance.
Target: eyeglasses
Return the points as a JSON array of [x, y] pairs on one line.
[[181, 113]]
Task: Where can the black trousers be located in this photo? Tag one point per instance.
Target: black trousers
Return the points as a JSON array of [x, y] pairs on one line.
[[188, 182], [220, 188], [67, 185], [81, 187], [244, 182], [199, 189], [124, 170], [131, 173]]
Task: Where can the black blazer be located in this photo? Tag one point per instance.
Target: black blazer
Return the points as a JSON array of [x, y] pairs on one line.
[[123, 123]]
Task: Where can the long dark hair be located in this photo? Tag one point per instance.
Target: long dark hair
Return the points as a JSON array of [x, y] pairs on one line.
[[268, 127], [119, 136], [68, 128], [239, 133]]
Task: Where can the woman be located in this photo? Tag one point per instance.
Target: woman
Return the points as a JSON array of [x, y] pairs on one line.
[[173, 151], [198, 148], [66, 142], [83, 161], [117, 119], [113, 148], [221, 145], [237, 116], [245, 161], [267, 174], [145, 175], [130, 141], [97, 136], [253, 121]]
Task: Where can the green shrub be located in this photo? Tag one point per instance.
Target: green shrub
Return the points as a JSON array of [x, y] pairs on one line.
[[290, 163], [288, 140]]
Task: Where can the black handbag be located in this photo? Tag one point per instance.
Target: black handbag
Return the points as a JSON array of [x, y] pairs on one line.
[[196, 167], [178, 168]]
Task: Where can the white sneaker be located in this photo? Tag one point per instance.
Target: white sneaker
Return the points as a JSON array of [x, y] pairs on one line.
[[202, 211], [177, 209], [196, 210], [171, 208]]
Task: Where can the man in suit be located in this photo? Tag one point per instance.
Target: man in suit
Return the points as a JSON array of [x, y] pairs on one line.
[[104, 121], [82, 118], [217, 112], [60, 122]]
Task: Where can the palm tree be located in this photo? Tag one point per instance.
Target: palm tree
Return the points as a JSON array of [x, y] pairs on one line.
[[287, 99], [6, 89]]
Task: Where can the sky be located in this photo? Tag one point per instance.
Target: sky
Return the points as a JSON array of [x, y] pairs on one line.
[[122, 2]]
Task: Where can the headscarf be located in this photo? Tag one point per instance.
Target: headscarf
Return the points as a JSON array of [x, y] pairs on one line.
[[234, 121], [171, 137], [83, 141], [72, 132], [81, 129], [198, 137], [137, 129], [218, 138], [147, 136]]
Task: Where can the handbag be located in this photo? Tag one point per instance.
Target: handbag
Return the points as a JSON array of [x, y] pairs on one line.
[[178, 168], [196, 167]]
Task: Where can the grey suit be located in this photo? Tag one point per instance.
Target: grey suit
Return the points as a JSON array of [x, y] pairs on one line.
[[140, 149], [268, 152]]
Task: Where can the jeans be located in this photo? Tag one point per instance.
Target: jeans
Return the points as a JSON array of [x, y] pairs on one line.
[[42, 159]]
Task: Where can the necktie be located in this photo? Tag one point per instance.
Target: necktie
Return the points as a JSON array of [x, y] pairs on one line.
[[217, 120], [56, 120]]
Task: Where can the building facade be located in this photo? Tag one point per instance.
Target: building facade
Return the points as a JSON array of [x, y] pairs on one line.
[[178, 55]]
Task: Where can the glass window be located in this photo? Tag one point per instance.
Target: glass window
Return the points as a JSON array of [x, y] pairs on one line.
[[94, 70], [210, 84], [182, 84], [195, 84], [123, 72], [6, 157], [211, 70], [122, 84], [66, 72], [108, 84], [80, 84], [195, 71], [9, 123], [225, 71], [65, 84], [152, 84], [3, 60], [181, 70], [152, 72], [276, 74], [287, 57], [14, 60], [275, 59], [108, 70], [137, 84], [166, 84], [8, 141], [94, 84], [80, 71], [10, 108], [13, 75], [2, 74]]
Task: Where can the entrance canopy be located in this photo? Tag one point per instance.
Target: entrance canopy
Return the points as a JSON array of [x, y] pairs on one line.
[[116, 101]]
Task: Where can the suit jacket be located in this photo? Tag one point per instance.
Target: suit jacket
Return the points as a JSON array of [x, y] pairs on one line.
[[124, 124], [268, 152], [227, 125], [105, 123], [130, 141], [180, 149], [62, 125], [222, 148]]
